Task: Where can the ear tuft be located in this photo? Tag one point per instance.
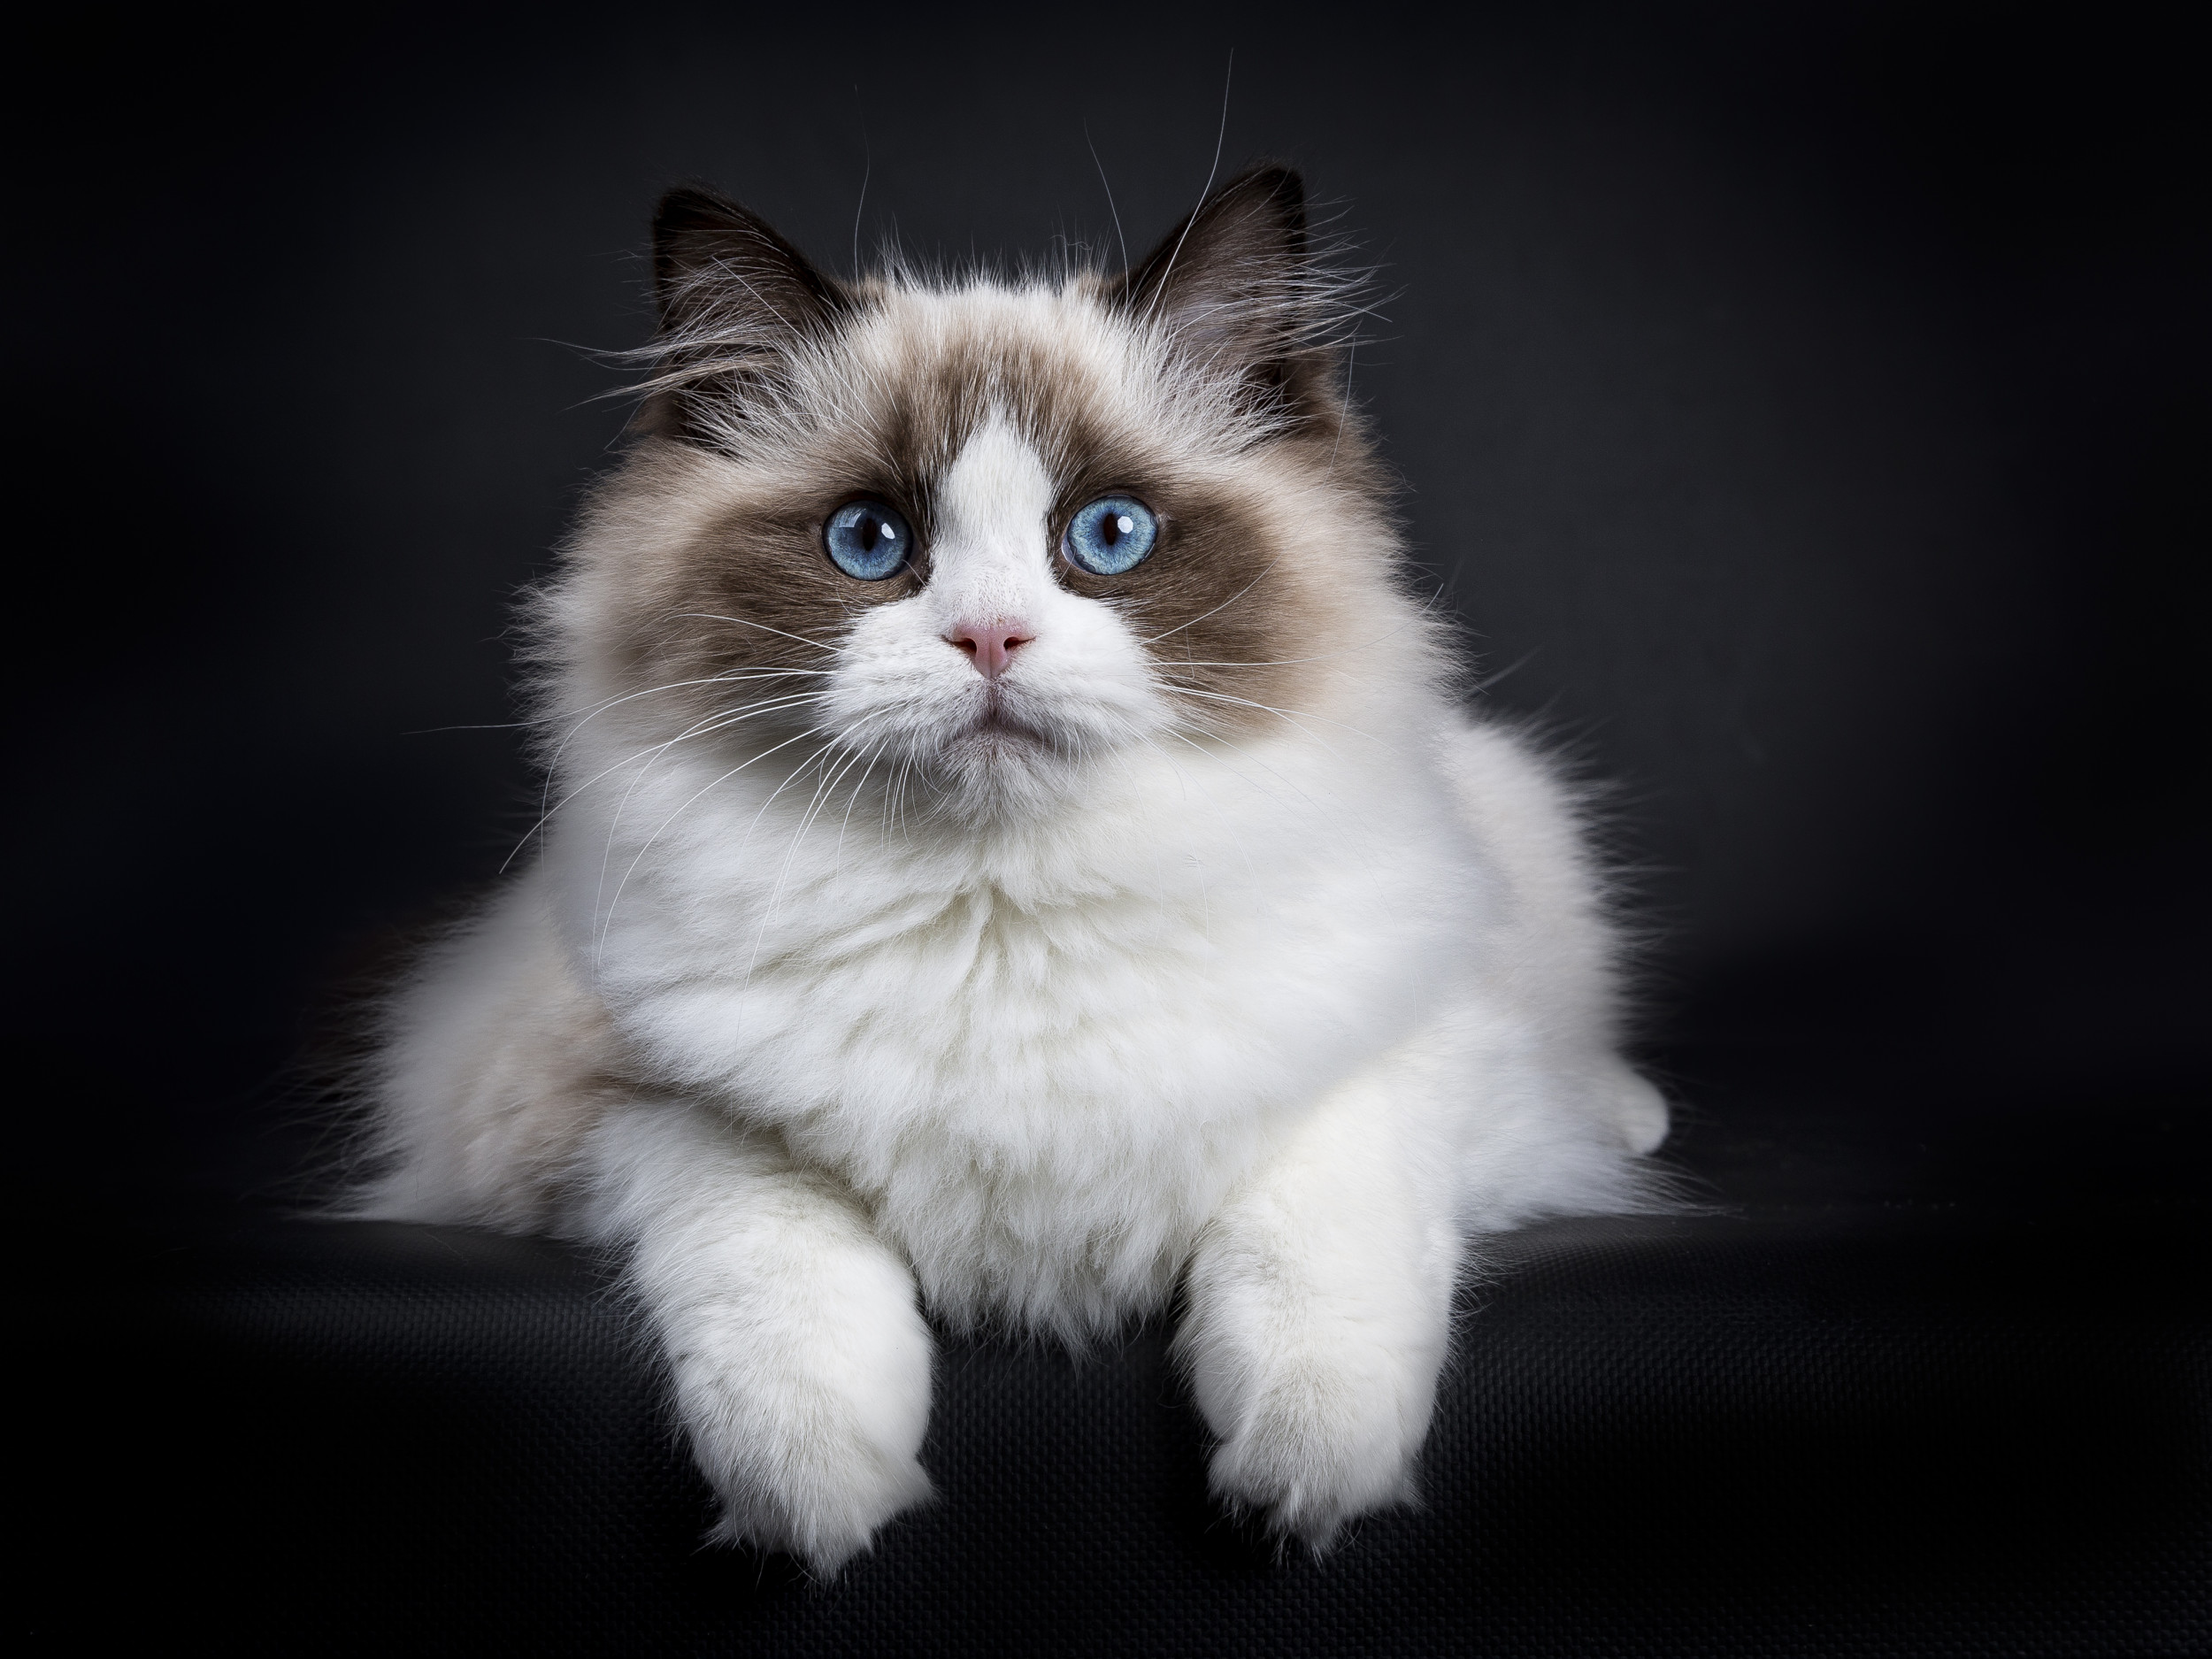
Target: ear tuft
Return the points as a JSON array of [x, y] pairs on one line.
[[732, 298]]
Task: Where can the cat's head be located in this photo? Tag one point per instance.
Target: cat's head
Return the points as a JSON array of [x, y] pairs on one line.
[[981, 533]]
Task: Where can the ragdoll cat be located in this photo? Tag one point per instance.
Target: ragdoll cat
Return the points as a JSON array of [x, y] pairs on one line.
[[1018, 853]]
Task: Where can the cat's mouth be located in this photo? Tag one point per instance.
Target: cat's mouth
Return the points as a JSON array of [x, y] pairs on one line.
[[996, 723], [995, 726]]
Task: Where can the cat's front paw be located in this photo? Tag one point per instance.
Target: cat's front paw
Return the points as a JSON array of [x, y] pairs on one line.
[[820, 1495], [1320, 1433], [810, 1431]]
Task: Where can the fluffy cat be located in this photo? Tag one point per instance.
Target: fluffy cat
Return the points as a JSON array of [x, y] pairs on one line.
[[1018, 853]]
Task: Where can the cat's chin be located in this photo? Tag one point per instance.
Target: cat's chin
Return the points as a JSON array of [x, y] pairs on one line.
[[999, 768]]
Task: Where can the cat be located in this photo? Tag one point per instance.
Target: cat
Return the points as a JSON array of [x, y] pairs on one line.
[[1017, 852]]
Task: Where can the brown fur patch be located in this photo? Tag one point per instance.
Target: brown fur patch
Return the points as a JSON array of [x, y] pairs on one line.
[[1235, 602]]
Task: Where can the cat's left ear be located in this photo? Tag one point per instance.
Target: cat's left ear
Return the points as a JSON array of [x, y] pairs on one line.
[[1237, 286], [734, 300]]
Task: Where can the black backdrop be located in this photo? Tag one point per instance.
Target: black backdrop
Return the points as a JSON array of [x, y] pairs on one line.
[[1804, 405]]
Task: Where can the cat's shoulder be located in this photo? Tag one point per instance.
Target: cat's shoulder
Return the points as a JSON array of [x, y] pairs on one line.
[[1510, 786]]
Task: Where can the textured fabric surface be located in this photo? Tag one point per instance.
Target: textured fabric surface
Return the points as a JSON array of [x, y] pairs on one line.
[[1857, 1431]]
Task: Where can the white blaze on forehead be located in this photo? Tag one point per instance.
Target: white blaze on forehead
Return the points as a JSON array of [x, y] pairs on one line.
[[993, 507]]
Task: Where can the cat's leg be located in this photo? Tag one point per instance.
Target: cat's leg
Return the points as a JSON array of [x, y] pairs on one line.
[[1318, 1307], [798, 1357]]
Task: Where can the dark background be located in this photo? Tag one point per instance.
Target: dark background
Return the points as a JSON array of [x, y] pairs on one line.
[[1806, 405]]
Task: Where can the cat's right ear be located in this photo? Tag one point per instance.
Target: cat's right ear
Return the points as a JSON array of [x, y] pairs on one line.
[[734, 299]]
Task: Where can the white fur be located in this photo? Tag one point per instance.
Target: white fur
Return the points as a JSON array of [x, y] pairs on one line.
[[1034, 1029], [799, 1359]]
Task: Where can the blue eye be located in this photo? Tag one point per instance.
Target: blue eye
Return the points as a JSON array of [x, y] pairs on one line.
[[1111, 535], [868, 539]]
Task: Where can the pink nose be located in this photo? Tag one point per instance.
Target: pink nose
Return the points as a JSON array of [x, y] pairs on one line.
[[990, 644]]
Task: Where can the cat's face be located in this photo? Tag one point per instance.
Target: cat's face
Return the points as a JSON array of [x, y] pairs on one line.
[[986, 536]]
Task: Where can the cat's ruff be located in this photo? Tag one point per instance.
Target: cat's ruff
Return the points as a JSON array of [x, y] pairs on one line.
[[1040, 940]]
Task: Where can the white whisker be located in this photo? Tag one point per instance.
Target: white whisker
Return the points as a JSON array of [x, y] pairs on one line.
[[747, 622], [1212, 173], [806, 819], [837, 859], [1293, 715], [1239, 749], [698, 728], [1223, 605], [608, 924], [553, 761], [715, 722]]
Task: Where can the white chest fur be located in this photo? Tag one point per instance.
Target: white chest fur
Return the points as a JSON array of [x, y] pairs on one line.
[[1041, 1058]]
